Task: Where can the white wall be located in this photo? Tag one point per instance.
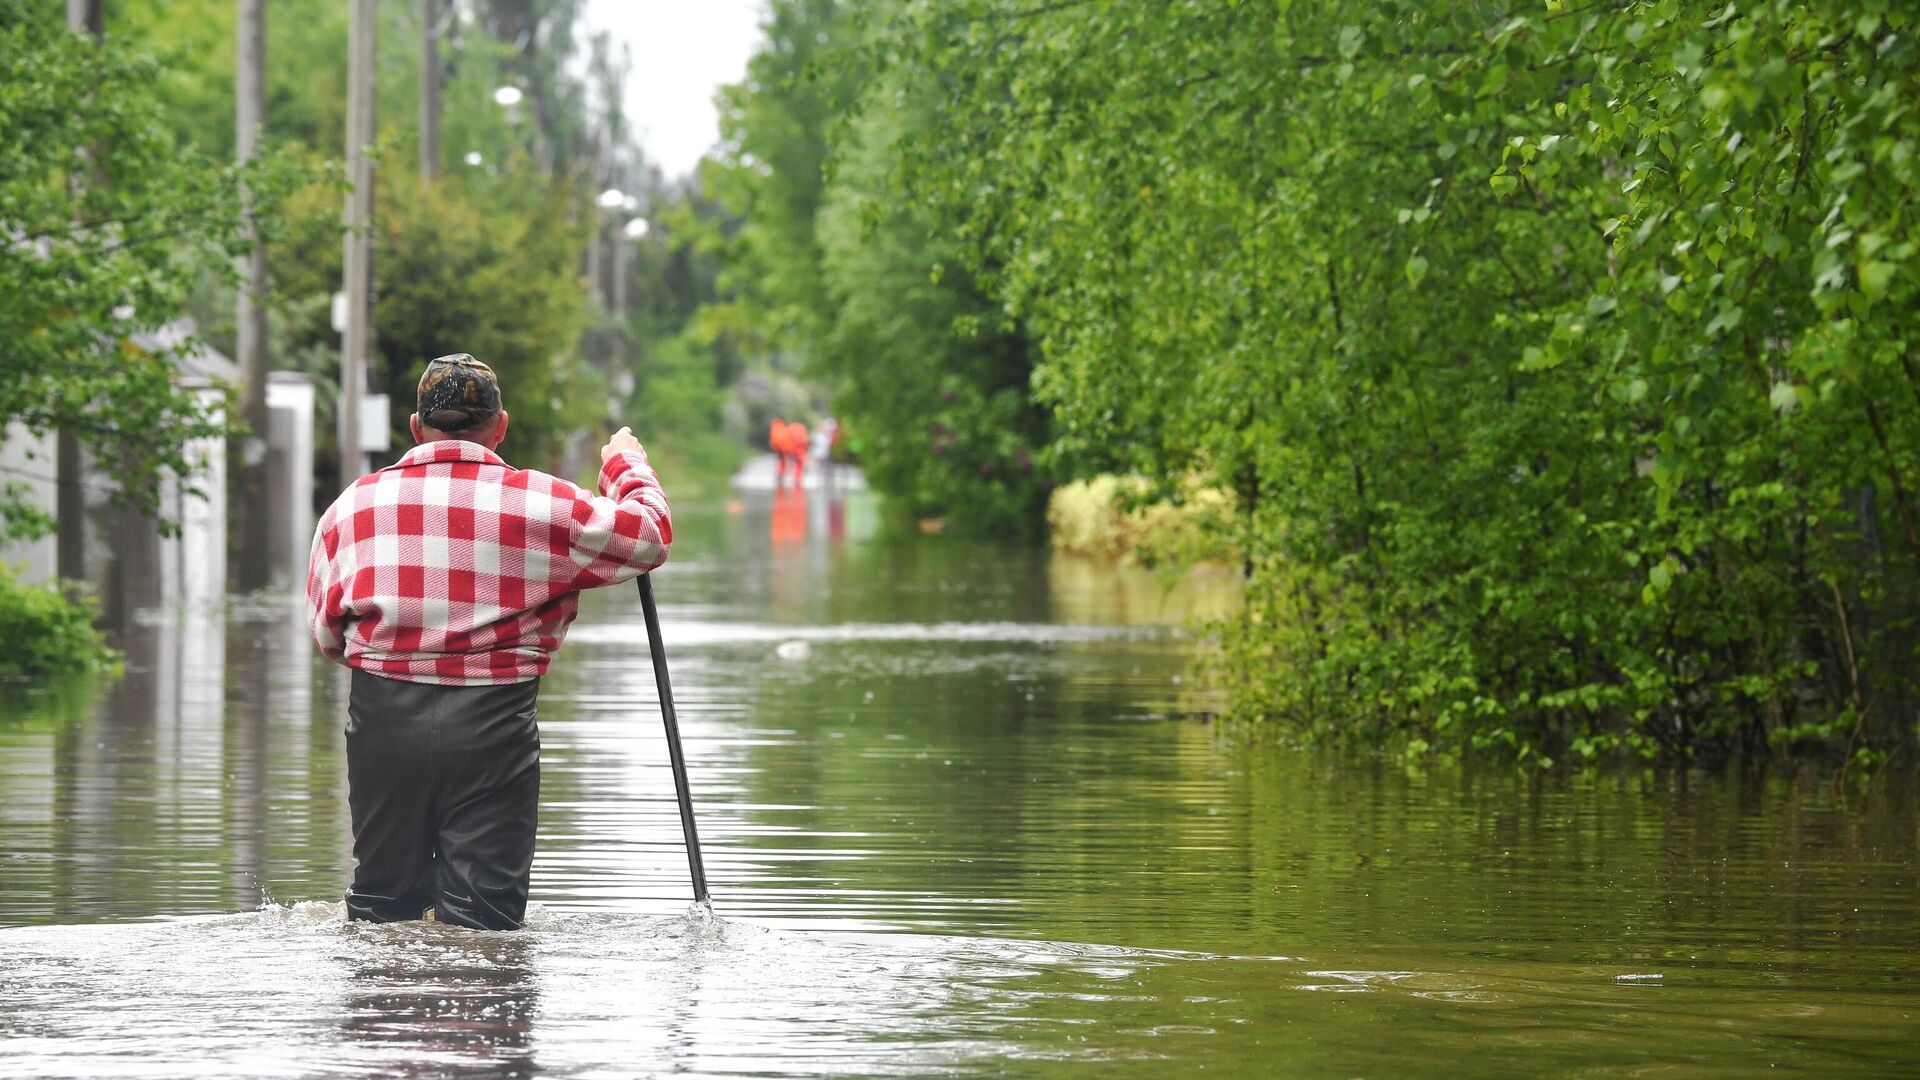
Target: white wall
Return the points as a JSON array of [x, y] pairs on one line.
[[193, 564], [290, 397], [28, 462]]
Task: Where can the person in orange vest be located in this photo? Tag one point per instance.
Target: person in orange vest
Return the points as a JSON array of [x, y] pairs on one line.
[[777, 442], [797, 437]]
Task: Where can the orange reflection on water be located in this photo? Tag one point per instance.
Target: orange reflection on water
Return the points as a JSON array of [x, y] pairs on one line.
[[789, 520]]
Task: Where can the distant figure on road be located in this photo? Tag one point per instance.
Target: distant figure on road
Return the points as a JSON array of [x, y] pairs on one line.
[[797, 446], [824, 437], [821, 448], [446, 581], [788, 441], [780, 442]]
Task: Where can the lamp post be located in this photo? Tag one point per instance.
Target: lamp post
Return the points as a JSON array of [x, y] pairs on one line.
[[631, 229], [634, 229], [609, 199]]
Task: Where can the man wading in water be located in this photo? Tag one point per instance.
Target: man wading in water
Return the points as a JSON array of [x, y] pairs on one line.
[[445, 581]]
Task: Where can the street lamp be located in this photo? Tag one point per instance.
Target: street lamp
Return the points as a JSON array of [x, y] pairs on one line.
[[637, 228], [612, 198], [508, 95]]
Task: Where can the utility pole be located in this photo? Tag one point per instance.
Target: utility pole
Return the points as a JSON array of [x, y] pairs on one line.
[[255, 565], [622, 255], [596, 277], [429, 89], [359, 242], [596, 265], [70, 498]]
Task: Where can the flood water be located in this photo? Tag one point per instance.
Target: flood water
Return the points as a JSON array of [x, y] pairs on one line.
[[963, 814]]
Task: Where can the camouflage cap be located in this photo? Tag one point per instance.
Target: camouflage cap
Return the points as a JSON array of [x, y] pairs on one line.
[[458, 392]]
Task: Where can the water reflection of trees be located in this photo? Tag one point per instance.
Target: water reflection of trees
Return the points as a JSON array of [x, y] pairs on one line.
[[1089, 590], [199, 781]]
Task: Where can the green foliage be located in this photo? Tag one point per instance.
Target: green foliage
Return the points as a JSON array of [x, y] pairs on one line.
[[681, 407], [489, 269], [776, 126], [49, 631], [500, 283], [1559, 359], [306, 71], [531, 44], [487, 258], [682, 399], [120, 217], [1119, 518], [109, 224], [923, 364]]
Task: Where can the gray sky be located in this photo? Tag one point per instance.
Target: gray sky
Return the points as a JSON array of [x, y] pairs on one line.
[[683, 50]]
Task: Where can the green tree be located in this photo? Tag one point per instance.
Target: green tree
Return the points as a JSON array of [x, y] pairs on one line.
[[488, 258], [923, 365], [501, 284], [306, 70], [683, 368], [109, 225], [776, 127]]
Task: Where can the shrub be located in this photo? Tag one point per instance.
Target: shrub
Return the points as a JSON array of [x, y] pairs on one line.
[[1124, 517], [49, 630]]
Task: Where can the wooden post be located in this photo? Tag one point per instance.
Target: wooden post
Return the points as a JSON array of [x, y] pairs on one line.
[[254, 567], [358, 337]]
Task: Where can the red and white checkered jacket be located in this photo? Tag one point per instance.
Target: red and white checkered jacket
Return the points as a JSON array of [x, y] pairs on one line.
[[451, 567]]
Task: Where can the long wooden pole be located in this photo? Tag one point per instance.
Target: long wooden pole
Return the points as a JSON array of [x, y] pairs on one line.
[[681, 791]]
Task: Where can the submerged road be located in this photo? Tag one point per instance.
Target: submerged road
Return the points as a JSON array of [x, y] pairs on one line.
[[963, 814]]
